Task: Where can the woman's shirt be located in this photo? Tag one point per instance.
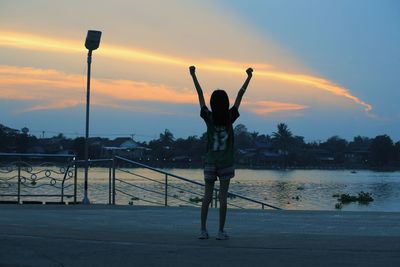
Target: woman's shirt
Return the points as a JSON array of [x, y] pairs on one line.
[[220, 139]]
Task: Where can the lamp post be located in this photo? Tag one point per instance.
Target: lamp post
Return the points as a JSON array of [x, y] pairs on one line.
[[92, 43]]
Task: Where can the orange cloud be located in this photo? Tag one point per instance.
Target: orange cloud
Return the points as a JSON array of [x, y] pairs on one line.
[[55, 84], [59, 90], [34, 42], [317, 83], [54, 105], [267, 107]]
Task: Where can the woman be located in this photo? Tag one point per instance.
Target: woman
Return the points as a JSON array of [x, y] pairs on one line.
[[219, 158]]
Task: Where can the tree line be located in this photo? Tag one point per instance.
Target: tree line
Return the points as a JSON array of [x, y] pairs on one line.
[[279, 149]]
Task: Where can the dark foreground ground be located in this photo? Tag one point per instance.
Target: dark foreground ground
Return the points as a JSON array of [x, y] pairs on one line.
[[99, 235]]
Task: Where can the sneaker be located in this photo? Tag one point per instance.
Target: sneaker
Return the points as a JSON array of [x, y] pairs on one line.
[[222, 235], [203, 234]]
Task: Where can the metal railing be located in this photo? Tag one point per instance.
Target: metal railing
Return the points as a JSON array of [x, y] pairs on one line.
[[25, 173], [105, 163], [167, 189], [164, 186]]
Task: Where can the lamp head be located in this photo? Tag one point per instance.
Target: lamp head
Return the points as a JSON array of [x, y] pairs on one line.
[[93, 40]]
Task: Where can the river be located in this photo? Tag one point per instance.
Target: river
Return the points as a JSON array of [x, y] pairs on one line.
[[290, 189]]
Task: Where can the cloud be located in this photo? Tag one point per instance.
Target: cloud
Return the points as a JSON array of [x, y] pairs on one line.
[[58, 90], [54, 105], [267, 107], [267, 71]]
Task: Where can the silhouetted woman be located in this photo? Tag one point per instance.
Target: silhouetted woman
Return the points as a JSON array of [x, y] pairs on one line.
[[219, 157]]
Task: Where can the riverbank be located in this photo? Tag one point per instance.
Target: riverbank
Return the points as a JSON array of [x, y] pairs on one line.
[[200, 165], [102, 235], [169, 164]]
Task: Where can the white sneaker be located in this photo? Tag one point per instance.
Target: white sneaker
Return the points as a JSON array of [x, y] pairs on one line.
[[203, 234], [222, 235]]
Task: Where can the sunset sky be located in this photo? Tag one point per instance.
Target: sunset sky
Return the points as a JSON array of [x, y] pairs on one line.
[[323, 67]]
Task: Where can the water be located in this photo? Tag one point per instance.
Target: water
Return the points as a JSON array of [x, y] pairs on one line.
[[293, 189], [313, 189]]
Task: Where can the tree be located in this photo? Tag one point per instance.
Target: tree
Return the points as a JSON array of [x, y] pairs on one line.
[[162, 147], [254, 136], [282, 138], [3, 140], [382, 150], [296, 151], [79, 147], [22, 142], [337, 146], [60, 136], [166, 138], [359, 143], [243, 138], [191, 147], [239, 129], [397, 148]]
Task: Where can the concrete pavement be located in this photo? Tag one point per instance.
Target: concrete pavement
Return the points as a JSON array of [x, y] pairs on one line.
[[101, 235]]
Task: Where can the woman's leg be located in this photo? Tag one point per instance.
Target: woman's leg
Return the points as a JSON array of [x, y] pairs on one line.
[[223, 195], [208, 193]]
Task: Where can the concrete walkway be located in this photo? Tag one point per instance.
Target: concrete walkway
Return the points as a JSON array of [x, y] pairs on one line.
[[100, 235]]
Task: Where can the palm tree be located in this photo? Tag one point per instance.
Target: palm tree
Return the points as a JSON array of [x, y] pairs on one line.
[[283, 138], [166, 138]]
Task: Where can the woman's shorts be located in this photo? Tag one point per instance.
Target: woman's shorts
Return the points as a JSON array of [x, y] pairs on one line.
[[211, 172]]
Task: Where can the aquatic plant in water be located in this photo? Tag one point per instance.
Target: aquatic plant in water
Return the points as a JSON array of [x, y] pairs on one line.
[[133, 199], [195, 199], [338, 206], [346, 198], [362, 198]]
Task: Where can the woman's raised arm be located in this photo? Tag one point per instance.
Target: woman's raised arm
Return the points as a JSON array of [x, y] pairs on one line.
[[242, 90], [192, 70]]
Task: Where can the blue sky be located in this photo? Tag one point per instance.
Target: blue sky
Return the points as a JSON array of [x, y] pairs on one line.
[[343, 55], [355, 43]]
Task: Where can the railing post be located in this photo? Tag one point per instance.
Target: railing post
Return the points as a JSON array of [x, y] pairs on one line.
[[62, 191], [19, 182], [166, 189], [216, 198], [113, 182], [262, 205], [212, 200], [63, 183], [75, 181], [109, 183]]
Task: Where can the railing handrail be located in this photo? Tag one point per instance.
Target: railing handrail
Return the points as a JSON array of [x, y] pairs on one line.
[[93, 160], [159, 171], [39, 155], [193, 182]]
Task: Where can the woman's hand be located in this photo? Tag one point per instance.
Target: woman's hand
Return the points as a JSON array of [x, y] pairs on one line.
[[192, 70], [249, 72]]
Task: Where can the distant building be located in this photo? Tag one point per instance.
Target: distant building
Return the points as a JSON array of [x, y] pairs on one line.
[[263, 153], [323, 156], [125, 147], [357, 156]]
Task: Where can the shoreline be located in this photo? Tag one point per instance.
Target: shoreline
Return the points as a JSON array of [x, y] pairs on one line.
[[355, 169]]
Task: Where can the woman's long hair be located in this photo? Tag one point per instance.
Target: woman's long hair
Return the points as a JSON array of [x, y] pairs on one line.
[[219, 103]]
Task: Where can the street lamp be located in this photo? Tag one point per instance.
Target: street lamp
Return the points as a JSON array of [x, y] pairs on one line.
[[92, 43]]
